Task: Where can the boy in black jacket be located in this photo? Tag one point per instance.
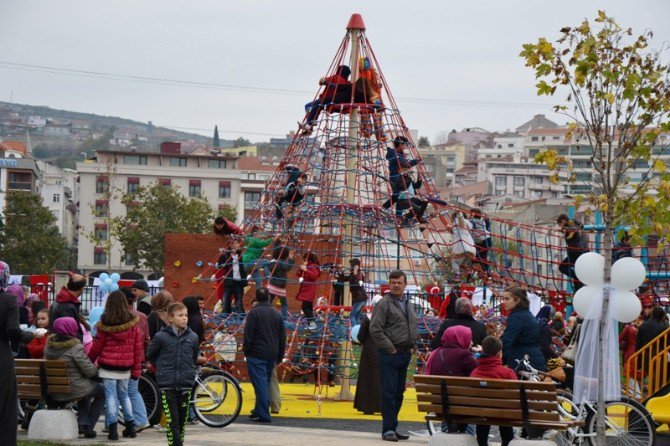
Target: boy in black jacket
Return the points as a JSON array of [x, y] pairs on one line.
[[264, 345], [175, 374]]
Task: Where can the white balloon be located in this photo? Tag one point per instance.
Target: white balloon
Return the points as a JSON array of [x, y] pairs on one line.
[[628, 273], [626, 306], [588, 301], [590, 268]]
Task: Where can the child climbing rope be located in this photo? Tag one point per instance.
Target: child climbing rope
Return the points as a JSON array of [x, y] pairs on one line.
[[295, 185], [409, 205], [395, 156], [338, 90]]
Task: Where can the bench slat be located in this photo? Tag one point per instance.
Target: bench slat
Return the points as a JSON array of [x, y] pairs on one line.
[[486, 402], [36, 388], [483, 392], [49, 363], [51, 380], [50, 372], [516, 423], [485, 412], [484, 382]]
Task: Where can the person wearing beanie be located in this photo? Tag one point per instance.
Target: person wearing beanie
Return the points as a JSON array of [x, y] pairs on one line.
[[462, 316], [63, 344], [140, 289]]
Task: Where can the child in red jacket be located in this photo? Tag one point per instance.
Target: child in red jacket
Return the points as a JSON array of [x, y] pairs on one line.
[[119, 349], [490, 366], [36, 346], [308, 274]]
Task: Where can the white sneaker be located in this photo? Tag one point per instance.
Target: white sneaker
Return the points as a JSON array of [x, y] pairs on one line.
[[140, 428], [312, 326]]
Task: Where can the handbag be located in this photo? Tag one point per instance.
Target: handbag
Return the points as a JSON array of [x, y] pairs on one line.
[[570, 353]]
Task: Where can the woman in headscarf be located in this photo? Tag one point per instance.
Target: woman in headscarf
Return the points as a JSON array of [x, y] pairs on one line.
[[16, 290], [9, 332], [543, 318], [368, 386], [463, 315], [159, 317]]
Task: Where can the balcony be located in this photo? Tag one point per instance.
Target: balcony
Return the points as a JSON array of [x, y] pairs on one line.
[[15, 185]]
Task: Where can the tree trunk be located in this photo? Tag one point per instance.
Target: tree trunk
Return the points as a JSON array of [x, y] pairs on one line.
[[602, 327]]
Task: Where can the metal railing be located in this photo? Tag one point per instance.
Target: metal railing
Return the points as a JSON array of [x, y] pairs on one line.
[[646, 371]]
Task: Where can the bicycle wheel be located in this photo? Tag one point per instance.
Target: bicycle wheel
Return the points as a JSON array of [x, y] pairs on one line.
[[566, 407], [151, 396], [217, 399], [627, 423]]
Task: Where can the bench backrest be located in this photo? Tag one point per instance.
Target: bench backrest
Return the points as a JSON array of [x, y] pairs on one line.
[[514, 402], [28, 377]]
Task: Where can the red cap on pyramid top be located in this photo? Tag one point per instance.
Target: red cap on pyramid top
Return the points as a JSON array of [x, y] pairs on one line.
[[356, 22]]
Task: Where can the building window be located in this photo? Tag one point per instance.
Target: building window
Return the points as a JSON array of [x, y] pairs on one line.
[[165, 182], [135, 159], [101, 184], [56, 198], [518, 193], [99, 256], [224, 189], [519, 181], [534, 138], [251, 176], [194, 188], [178, 162], [510, 145], [250, 199], [538, 180], [217, 164], [101, 208], [536, 194], [133, 184], [451, 159], [129, 260], [101, 233], [501, 180]]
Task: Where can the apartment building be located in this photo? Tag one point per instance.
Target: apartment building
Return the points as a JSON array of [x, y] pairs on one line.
[[17, 173], [58, 189], [442, 161], [223, 180]]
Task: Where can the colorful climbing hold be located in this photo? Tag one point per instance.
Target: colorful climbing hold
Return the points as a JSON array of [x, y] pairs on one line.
[[177, 263], [175, 284], [198, 263]]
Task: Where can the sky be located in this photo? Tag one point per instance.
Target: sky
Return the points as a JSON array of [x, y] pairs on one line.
[[449, 64]]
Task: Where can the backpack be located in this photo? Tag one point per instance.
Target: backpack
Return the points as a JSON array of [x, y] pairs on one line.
[[479, 230]]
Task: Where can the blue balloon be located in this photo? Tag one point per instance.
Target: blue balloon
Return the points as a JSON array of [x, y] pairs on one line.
[[354, 332], [115, 277], [114, 287], [94, 317], [103, 277]]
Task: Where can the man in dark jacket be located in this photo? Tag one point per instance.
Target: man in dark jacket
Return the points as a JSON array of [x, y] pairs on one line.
[[140, 289], [576, 245], [264, 345], [67, 301], [651, 328], [394, 331], [462, 316]]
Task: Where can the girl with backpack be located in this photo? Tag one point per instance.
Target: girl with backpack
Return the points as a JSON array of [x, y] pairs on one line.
[[119, 350]]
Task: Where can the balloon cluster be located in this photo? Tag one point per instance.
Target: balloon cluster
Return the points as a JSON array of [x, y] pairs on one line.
[[109, 282], [628, 273]]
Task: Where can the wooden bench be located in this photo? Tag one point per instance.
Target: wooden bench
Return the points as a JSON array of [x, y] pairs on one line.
[[494, 402], [37, 378]]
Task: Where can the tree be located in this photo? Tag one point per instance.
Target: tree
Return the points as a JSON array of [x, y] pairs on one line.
[[424, 142], [618, 98], [31, 243], [241, 142], [153, 212], [228, 212], [441, 138], [217, 141]]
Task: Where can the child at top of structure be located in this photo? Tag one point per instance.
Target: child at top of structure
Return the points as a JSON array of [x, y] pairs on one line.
[[367, 72], [338, 90], [292, 193], [406, 188], [223, 226]]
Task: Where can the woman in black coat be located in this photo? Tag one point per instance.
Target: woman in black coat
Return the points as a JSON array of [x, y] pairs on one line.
[[368, 387], [522, 333], [462, 316]]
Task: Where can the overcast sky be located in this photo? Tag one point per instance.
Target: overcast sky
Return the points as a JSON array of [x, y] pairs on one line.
[[463, 55]]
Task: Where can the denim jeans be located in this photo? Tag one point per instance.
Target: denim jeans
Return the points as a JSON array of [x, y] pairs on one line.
[[116, 393], [258, 266], [139, 410], [260, 373], [393, 375], [91, 406], [356, 312]]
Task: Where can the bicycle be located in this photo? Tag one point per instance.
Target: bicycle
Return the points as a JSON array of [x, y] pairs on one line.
[[216, 397]]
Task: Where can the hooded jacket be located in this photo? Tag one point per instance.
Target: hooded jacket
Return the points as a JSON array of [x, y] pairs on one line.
[[80, 369], [394, 159], [454, 358], [253, 250], [67, 305], [279, 270], [491, 367], [174, 356], [119, 347], [308, 286]]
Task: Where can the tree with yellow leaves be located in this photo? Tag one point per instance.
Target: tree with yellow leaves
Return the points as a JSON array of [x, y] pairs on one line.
[[617, 97]]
